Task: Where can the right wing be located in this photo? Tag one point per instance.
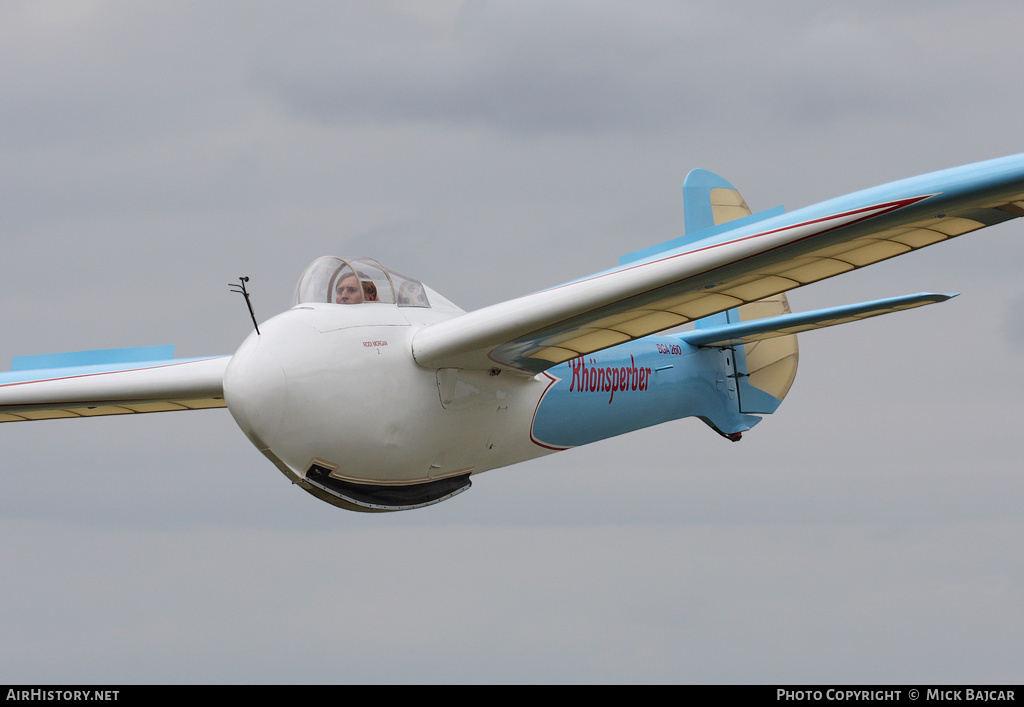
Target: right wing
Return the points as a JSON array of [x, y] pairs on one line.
[[736, 264], [109, 382]]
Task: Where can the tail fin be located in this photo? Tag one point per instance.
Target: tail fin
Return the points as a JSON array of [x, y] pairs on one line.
[[709, 200], [765, 369]]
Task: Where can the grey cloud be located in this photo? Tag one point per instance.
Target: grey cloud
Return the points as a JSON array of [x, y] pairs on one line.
[[1014, 324], [153, 152], [606, 67]]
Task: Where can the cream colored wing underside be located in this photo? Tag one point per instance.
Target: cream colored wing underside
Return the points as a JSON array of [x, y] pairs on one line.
[[726, 269], [123, 409], [761, 283], [186, 385]]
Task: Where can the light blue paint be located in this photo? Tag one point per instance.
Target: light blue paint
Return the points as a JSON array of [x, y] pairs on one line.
[[700, 224], [952, 190], [697, 211], [92, 358], [84, 363], [672, 379], [699, 215]]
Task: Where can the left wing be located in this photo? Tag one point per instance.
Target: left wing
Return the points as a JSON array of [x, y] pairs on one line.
[[109, 382], [732, 266]]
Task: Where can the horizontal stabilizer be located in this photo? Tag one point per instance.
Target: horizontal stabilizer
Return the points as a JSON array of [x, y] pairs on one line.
[[109, 382], [758, 329]]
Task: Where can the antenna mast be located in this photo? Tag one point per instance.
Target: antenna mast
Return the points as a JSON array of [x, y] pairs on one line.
[[240, 289]]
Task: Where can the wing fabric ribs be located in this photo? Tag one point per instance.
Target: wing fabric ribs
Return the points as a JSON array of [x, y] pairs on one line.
[[88, 391], [727, 270]]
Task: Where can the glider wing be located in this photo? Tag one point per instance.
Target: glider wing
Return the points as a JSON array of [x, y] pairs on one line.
[[109, 382], [737, 263]]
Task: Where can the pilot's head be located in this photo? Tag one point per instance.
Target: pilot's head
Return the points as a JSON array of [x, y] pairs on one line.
[[350, 290]]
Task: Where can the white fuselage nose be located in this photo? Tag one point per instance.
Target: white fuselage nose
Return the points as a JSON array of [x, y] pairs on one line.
[[338, 387]]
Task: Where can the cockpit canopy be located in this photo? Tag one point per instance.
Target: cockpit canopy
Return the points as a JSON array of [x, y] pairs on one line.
[[335, 281]]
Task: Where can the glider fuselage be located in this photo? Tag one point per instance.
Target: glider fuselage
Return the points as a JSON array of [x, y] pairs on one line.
[[337, 389]]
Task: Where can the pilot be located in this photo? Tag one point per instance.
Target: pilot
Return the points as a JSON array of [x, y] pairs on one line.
[[349, 291]]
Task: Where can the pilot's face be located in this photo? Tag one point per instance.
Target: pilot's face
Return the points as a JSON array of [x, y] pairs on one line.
[[348, 291]]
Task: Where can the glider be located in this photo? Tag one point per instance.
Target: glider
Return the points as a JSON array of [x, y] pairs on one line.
[[375, 393]]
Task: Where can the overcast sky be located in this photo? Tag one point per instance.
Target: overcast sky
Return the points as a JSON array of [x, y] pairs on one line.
[[151, 153]]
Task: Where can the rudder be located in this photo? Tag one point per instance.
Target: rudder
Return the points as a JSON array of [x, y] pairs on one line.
[[766, 369]]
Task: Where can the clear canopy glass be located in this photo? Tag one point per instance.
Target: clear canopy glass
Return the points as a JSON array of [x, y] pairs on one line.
[[333, 280]]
